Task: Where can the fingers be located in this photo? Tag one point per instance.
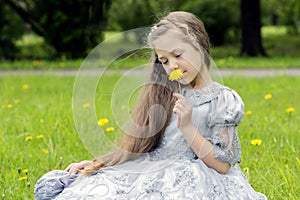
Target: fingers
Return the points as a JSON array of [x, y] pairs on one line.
[[183, 109], [178, 96], [72, 168], [178, 107], [76, 167]]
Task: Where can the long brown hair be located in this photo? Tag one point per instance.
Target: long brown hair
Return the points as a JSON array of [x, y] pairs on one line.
[[149, 126]]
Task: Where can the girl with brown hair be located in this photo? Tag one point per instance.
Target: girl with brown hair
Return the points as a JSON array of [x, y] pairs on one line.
[[184, 143]]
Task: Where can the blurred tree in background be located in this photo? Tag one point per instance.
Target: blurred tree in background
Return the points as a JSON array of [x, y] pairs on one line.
[[72, 27], [11, 28], [129, 14], [218, 16], [251, 25]]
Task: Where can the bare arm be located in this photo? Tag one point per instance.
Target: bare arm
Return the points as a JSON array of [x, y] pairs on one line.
[[203, 149]]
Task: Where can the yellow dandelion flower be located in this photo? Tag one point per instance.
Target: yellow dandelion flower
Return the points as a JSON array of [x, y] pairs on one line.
[[245, 169], [25, 171], [103, 121], [110, 129], [45, 151], [268, 96], [248, 113], [290, 109], [17, 101], [9, 105], [40, 136], [25, 86], [28, 138], [175, 75], [256, 142], [86, 105], [22, 178]]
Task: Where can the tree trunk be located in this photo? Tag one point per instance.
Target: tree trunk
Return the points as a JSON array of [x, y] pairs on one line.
[[251, 36], [26, 17]]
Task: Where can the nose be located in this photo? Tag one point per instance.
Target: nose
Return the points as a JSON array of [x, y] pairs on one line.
[[174, 66]]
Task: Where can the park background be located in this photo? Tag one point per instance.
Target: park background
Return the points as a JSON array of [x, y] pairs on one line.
[[37, 129]]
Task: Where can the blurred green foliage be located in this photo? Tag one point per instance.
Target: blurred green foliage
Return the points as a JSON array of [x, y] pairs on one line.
[[70, 29], [218, 16], [11, 28], [282, 12]]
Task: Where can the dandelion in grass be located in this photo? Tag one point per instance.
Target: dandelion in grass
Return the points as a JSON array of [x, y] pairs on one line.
[[248, 113], [86, 105], [175, 75], [25, 86], [28, 138], [256, 142], [290, 109], [9, 105], [245, 169], [45, 151], [22, 178], [103, 121], [268, 96], [40, 136], [25, 171], [110, 129]]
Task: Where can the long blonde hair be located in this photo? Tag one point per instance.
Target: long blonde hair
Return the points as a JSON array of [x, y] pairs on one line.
[[157, 91]]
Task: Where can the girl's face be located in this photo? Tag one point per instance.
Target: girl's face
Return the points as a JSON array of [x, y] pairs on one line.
[[174, 53]]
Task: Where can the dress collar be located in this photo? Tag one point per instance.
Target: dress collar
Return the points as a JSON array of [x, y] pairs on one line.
[[202, 95]]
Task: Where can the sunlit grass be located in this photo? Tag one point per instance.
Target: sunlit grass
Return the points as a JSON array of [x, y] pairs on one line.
[[38, 132]]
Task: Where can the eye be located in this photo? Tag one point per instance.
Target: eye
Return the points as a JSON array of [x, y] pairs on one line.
[[178, 55], [163, 61]]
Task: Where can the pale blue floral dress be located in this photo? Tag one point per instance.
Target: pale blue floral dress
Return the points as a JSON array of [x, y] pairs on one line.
[[172, 170]]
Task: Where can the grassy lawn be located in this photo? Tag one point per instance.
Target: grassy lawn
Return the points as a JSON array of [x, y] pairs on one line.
[[283, 51], [38, 132]]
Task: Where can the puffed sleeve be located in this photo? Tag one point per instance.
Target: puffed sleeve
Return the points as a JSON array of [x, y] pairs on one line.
[[52, 183], [226, 112]]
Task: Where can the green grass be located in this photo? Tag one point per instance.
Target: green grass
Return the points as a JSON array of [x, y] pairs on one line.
[[46, 108], [283, 51]]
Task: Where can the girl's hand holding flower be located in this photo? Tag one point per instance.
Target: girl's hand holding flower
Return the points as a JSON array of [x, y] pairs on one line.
[[183, 109]]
